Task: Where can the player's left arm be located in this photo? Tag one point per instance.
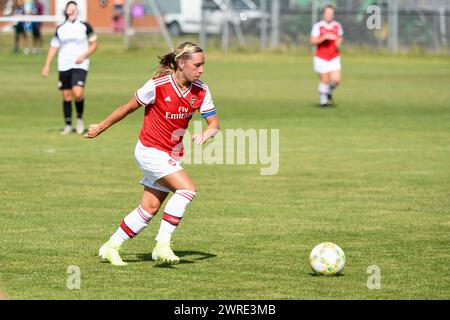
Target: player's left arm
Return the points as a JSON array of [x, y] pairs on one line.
[[340, 36], [93, 44], [211, 130], [339, 41]]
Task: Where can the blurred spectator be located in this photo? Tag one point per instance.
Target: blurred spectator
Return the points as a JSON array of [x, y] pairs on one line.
[[8, 8], [118, 16], [20, 27], [37, 9]]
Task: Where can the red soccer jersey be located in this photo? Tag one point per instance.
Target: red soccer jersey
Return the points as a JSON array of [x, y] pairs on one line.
[[327, 50], [168, 111]]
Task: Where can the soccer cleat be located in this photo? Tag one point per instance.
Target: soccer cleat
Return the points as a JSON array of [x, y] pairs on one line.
[[66, 130], [110, 252], [80, 126], [330, 100], [164, 253]]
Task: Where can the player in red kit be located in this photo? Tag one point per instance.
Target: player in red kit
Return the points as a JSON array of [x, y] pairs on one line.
[[327, 35], [170, 99]]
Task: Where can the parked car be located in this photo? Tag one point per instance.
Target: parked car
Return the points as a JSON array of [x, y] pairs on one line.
[[184, 16]]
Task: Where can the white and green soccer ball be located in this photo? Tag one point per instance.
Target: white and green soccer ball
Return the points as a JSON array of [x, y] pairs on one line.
[[327, 259]]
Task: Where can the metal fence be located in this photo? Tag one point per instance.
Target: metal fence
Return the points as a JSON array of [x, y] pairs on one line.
[[403, 25]]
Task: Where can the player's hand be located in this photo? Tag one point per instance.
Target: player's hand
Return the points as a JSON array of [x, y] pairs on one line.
[[198, 138], [93, 131], [80, 59], [330, 36], [45, 71]]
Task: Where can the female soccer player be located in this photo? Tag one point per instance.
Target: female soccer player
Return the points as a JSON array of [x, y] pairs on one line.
[[76, 42], [170, 100], [327, 35]]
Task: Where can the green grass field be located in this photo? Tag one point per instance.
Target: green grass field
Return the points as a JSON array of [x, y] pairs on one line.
[[372, 175]]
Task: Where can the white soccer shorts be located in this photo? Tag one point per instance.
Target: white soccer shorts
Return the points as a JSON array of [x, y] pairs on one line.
[[155, 164], [325, 66]]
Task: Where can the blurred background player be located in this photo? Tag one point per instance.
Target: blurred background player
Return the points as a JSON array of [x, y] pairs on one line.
[[20, 28], [170, 100], [327, 35], [37, 9], [76, 42]]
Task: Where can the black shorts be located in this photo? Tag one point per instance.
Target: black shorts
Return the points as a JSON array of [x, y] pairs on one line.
[[72, 78]]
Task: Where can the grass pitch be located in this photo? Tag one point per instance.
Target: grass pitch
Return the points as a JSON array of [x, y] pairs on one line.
[[371, 175]]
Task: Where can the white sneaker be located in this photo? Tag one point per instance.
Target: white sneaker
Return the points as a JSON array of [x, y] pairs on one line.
[[164, 253], [67, 130], [323, 100], [110, 252], [80, 126]]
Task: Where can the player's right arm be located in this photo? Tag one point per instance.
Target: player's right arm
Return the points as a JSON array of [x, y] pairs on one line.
[[54, 47], [51, 54], [96, 129], [316, 38], [145, 96]]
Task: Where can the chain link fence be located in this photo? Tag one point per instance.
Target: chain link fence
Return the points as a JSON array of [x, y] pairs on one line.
[[400, 25], [403, 25]]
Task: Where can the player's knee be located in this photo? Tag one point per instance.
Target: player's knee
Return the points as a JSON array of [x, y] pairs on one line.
[[188, 186], [151, 208], [79, 97]]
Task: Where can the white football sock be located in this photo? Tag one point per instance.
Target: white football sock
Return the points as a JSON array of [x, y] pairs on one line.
[[136, 221], [173, 213], [323, 92]]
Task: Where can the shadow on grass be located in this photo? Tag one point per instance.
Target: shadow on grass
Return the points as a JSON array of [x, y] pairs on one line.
[[313, 274], [331, 106], [186, 257]]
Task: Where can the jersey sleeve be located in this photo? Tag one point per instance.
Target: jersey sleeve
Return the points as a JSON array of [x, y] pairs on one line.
[[207, 108], [341, 30], [55, 42], [147, 94], [91, 35], [315, 32]]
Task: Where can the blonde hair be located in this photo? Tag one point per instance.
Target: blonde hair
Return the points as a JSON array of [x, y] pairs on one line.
[[169, 63]]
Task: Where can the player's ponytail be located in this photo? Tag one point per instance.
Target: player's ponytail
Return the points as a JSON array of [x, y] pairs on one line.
[[168, 63]]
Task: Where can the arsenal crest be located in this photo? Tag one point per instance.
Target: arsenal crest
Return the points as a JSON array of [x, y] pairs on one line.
[[193, 100]]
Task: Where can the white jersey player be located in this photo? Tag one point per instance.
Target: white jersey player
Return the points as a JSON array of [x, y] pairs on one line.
[[76, 42]]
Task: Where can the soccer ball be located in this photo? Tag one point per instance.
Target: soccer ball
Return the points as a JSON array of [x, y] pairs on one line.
[[327, 259]]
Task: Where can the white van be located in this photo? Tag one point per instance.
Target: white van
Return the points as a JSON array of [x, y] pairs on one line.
[[184, 16]]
